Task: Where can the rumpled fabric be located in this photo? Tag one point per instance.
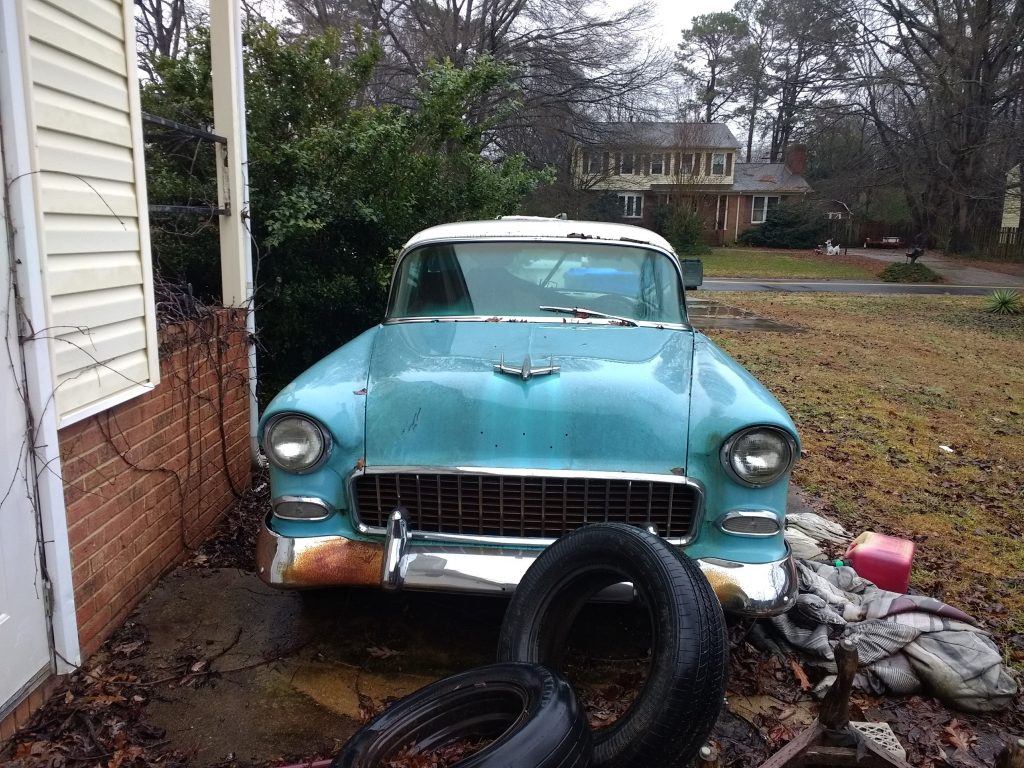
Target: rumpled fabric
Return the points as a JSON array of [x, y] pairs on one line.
[[905, 643]]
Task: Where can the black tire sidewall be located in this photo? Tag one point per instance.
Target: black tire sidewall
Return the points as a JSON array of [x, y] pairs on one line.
[[549, 731], [683, 694]]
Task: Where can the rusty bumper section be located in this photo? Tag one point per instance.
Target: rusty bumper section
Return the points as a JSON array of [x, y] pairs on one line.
[[761, 589]]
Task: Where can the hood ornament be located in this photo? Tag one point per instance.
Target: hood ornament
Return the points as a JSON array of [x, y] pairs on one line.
[[527, 370]]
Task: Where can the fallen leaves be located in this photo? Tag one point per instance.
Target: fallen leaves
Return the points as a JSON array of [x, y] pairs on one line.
[[799, 674], [438, 757]]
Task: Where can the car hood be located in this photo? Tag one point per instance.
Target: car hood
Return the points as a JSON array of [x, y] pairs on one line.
[[620, 401]]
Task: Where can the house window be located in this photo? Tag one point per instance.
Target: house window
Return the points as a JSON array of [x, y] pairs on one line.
[[718, 164], [593, 162], [627, 163], [657, 165], [686, 165], [632, 206], [761, 207]]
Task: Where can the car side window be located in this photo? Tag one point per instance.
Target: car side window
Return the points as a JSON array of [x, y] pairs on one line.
[[433, 285]]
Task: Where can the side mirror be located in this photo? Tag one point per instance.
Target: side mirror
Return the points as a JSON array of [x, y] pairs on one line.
[[693, 273]]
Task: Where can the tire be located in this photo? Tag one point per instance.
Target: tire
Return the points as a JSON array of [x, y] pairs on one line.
[[531, 713], [677, 707]]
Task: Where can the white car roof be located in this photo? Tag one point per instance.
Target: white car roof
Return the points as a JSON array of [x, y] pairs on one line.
[[539, 228]]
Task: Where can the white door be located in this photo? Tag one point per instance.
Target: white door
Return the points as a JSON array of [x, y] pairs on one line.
[[24, 628]]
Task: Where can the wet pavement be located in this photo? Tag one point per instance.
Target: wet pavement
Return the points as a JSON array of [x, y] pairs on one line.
[[954, 272], [960, 279], [293, 671], [707, 314], [853, 286]]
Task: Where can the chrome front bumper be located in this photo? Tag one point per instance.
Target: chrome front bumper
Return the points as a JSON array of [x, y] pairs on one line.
[[745, 589]]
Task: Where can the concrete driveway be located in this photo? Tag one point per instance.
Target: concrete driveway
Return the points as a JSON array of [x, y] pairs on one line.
[[961, 279], [292, 674]]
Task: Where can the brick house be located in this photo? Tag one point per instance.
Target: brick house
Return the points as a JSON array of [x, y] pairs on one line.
[[695, 165], [125, 438]]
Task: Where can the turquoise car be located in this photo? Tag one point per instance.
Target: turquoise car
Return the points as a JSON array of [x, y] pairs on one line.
[[530, 376]]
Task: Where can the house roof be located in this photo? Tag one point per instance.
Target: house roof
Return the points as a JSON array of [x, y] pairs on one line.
[[767, 177], [537, 228], [696, 135]]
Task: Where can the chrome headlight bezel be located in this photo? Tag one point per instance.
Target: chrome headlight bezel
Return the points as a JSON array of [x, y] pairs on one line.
[[735, 439], [322, 433]]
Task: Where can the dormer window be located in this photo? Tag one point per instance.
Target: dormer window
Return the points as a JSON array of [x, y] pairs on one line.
[[718, 164], [627, 163], [594, 162], [686, 164], [657, 165]]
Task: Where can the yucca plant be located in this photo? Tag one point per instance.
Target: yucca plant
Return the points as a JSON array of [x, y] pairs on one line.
[[1005, 301]]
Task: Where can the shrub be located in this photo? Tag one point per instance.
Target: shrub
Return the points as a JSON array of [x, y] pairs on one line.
[[682, 228], [604, 207], [1005, 301], [337, 186], [790, 225], [909, 273]]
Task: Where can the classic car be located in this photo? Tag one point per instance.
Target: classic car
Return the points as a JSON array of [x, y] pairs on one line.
[[530, 376]]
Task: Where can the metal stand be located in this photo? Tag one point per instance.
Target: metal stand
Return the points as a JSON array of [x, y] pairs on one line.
[[831, 740]]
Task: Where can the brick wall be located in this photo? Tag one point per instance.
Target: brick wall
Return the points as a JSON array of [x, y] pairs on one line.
[[21, 714], [145, 481]]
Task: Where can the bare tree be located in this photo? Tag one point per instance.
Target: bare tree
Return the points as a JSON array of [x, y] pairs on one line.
[[160, 29], [572, 65], [941, 80]]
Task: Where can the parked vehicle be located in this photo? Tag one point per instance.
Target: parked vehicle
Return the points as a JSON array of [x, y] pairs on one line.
[[530, 376]]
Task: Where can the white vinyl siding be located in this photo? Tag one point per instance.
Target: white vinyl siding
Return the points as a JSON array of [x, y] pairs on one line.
[[85, 111]]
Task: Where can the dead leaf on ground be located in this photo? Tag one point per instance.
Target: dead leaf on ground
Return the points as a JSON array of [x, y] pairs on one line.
[[799, 674]]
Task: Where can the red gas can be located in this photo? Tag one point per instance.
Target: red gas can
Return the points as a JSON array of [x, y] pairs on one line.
[[884, 560]]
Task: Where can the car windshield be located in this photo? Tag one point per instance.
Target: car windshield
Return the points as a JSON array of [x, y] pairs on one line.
[[606, 282]]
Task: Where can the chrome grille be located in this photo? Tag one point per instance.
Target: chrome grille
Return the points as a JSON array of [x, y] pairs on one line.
[[516, 506]]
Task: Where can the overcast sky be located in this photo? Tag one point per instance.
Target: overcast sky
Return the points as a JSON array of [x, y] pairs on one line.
[[675, 15]]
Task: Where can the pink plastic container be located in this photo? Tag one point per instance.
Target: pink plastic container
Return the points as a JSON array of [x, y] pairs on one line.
[[885, 560]]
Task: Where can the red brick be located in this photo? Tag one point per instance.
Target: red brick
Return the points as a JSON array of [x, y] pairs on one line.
[[126, 523]]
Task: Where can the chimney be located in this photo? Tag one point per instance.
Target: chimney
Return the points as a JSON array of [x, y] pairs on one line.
[[796, 159]]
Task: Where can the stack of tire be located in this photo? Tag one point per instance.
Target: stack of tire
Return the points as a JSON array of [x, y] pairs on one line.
[[530, 712]]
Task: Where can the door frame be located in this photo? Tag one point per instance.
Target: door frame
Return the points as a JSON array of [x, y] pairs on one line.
[[29, 252]]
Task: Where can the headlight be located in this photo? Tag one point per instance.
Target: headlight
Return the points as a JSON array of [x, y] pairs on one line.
[[295, 443], [758, 456]]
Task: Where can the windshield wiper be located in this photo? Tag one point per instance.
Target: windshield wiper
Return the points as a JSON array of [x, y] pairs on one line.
[[582, 312]]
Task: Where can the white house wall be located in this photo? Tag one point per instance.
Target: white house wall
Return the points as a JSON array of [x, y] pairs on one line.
[[1012, 202], [88, 154]]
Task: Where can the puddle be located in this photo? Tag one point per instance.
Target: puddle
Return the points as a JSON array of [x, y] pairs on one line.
[[706, 314], [338, 687]]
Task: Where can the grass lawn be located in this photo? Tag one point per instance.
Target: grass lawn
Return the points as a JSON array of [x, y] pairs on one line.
[[877, 385], [736, 262]]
